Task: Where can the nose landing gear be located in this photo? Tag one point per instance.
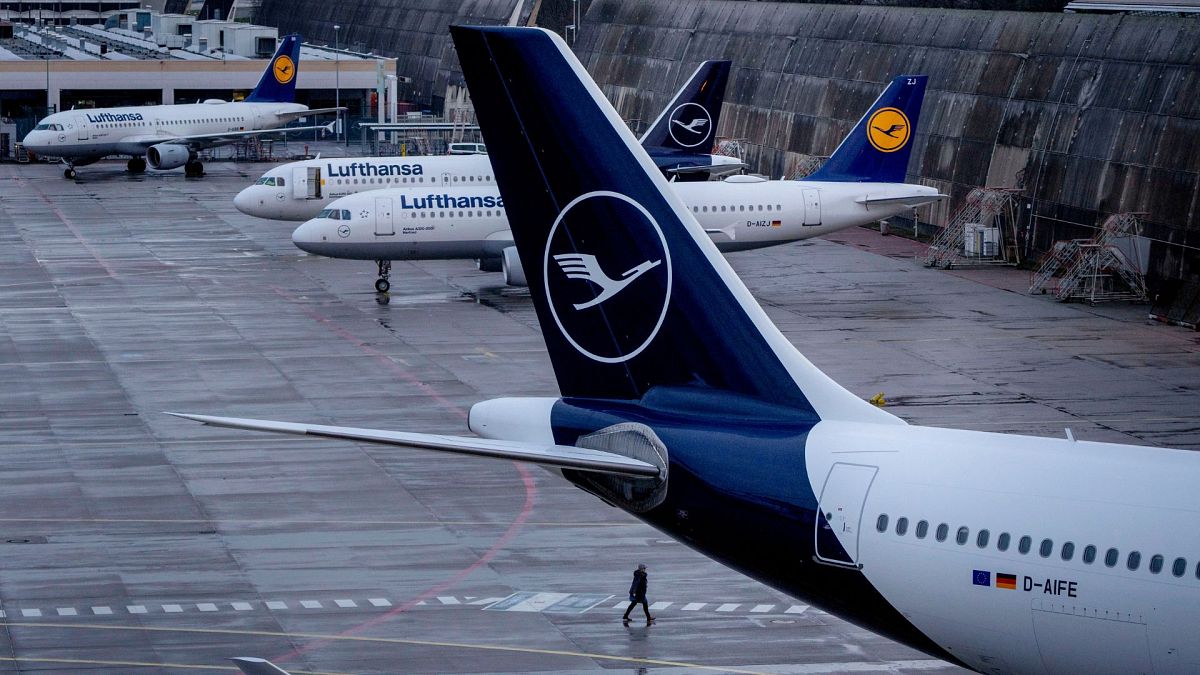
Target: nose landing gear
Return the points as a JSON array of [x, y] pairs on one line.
[[69, 173], [385, 269]]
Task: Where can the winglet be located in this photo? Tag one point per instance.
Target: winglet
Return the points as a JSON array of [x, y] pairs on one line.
[[278, 81], [878, 148]]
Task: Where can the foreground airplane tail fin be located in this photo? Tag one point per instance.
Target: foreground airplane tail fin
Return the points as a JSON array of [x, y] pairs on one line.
[[278, 81], [630, 292], [878, 148], [690, 121]]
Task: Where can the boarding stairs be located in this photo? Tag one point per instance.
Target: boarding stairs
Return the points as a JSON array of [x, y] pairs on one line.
[[980, 217], [1095, 270]]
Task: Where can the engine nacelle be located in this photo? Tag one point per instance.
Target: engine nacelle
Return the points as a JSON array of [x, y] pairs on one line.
[[514, 274], [168, 156]]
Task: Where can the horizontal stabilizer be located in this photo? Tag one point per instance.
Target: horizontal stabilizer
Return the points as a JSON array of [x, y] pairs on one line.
[[251, 665], [297, 114], [715, 169], [912, 201], [559, 456]]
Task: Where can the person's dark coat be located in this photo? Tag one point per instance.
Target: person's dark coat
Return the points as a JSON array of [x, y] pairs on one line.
[[637, 590]]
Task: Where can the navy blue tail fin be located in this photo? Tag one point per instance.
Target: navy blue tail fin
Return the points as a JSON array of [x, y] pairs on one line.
[[278, 82], [630, 293], [878, 148], [689, 122]]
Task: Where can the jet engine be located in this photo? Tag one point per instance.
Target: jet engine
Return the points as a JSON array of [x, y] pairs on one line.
[[510, 262], [168, 156]]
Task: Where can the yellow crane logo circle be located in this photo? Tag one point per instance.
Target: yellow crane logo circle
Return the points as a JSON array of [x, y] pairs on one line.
[[284, 69], [888, 129]]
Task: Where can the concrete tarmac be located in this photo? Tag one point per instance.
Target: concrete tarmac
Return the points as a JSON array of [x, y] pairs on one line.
[[134, 542]]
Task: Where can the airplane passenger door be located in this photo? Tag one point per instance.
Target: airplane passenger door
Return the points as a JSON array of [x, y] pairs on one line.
[[383, 217], [300, 183], [840, 509], [84, 131], [812, 207], [314, 182]]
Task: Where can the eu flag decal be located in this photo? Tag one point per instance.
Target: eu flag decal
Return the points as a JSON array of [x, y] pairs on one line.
[[981, 578]]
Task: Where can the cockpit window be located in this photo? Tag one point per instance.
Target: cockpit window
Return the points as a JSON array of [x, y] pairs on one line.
[[326, 213], [345, 214], [48, 127], [268, 180], [279, 181]]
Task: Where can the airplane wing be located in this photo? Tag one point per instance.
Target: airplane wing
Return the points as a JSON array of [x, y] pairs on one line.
[[201, 141], [559, 456], [297, 114], [913, 200]]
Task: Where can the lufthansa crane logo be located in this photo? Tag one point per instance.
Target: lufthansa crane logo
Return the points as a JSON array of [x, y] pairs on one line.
[[607, 275], [888, 129], [690, 125], [284, 69]]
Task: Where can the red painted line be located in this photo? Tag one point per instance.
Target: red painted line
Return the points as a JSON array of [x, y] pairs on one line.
[[70, 226], [497, 546]]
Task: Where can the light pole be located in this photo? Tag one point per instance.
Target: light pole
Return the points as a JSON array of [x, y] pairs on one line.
[[337, 81]]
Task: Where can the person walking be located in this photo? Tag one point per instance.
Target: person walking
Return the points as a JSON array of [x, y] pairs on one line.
[[637, 594]]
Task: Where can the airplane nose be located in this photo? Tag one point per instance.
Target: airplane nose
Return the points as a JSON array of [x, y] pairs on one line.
[[246, 203], [310, 236]]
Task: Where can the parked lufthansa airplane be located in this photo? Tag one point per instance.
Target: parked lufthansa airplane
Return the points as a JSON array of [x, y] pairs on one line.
[[861, 183], [684, 405], [169, 136], [678, 141]]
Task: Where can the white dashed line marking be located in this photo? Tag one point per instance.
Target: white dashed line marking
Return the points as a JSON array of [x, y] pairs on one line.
[[448, 600], [102, 611], [728, 607], [34, 613], [760, 609], [345, 603], [67, 611], [242, 606], [693, 606], [136, 609], [796, 609], [380, 602], [310, 604], [275, 604], [660, 605], [206, 607], [172, 609]]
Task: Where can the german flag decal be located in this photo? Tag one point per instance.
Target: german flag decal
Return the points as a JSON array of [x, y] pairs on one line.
[[1008, 581]]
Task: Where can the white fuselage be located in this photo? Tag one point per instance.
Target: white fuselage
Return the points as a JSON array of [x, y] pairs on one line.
[[299, 191], [738, 214], [90, 134], [1074, 603]]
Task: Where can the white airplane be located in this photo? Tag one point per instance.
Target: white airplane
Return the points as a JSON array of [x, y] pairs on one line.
[[300, 190], [859, 184], [169, 136], [685, 406]]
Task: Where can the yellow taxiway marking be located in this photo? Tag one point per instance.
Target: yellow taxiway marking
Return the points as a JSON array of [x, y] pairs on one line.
[[141, 664], [380, 640]]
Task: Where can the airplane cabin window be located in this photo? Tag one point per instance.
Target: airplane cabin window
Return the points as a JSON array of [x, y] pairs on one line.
[[1179, 567], [922, 529], [901, 526], [1002, 541], [1134, 560], [1024, 544], [1068, 551], [1046, 548], [981, 539], [881, 522], [722, 208], [942, 531], [1156, 563], [778, 207], [1089, 554], [1110, 557], [962, 535]]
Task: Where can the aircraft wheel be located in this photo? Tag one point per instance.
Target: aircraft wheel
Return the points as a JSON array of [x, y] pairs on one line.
[[69, 173], [193, 169], [382, 285], [136, 165]]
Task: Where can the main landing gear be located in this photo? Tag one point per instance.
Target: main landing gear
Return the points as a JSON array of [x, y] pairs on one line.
[[193, 169], [385, 269], [69, 173], [136, 165]]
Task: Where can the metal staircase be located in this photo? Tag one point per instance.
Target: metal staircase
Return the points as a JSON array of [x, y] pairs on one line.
[[1095, 270], [981, 215]]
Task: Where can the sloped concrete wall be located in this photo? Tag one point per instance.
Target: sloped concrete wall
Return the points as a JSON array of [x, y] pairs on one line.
[[1090, 114]]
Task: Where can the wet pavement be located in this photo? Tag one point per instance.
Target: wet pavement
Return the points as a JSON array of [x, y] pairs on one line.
[[131, 541]]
